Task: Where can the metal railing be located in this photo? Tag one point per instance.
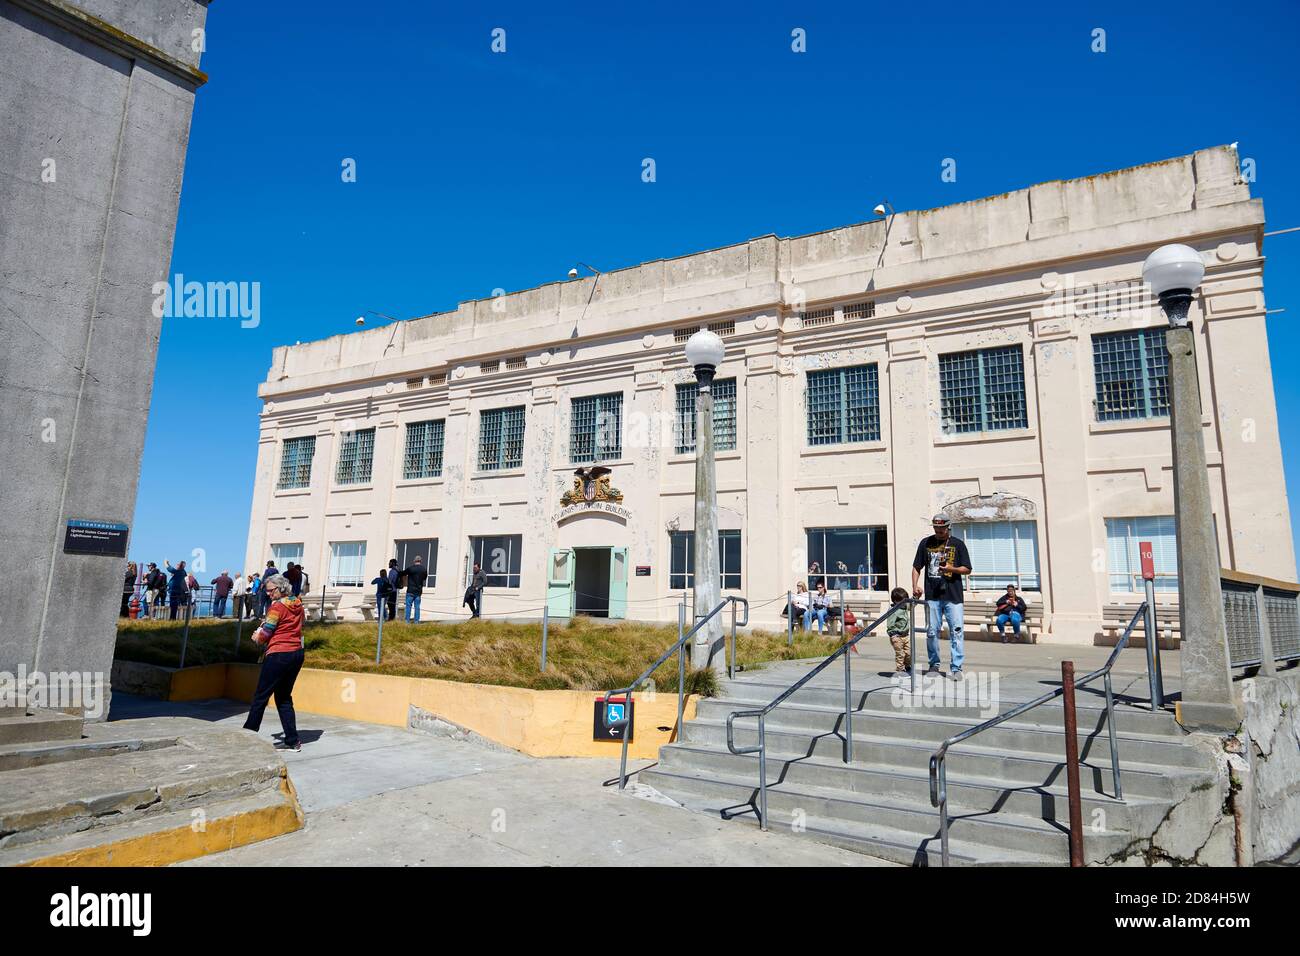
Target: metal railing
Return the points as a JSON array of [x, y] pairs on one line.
[[761, 713], [678, 646], [938, 760]]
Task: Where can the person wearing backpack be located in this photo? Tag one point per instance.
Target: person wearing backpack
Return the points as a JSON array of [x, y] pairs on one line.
[[385, 593]]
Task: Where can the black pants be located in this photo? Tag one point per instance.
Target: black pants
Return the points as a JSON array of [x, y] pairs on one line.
[[392, 605], [278, 673], [471, 601]]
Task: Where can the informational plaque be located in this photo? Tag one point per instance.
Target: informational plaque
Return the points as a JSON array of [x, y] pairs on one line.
[[84, 536]]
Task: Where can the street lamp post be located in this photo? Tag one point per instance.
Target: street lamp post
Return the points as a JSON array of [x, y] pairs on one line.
[[704, 352], [1174, 272]]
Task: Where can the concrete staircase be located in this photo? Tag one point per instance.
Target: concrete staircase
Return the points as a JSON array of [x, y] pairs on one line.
[[133, 792], [1006, 788]]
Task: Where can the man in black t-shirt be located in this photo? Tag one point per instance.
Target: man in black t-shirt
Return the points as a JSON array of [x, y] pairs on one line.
[[943, 559], [416, 575]]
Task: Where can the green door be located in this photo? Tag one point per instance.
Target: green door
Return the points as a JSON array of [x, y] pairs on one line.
[[618, 582], [560, 592]]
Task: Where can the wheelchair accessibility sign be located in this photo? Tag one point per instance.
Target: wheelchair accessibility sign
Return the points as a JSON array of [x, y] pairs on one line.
[[614, 711]]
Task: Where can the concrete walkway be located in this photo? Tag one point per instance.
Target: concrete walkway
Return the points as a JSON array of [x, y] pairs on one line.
[[384, 796]]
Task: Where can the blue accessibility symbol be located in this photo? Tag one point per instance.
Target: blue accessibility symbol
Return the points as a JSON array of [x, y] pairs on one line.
[[613, 712]]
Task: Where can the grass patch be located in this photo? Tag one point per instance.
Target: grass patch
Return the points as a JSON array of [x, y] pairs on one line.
[[582, 655]]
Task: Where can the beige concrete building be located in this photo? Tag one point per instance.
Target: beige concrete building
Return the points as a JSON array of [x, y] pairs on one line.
[[997, 360]]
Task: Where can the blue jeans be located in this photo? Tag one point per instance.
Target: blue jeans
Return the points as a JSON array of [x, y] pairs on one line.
[[1013, 617], [412, 600], [820, 614], [956, 615], [218, 607]]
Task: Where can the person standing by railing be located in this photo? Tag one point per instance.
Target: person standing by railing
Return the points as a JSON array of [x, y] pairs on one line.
[[944, 559], [281, 632], [254, 599], [222, 585], [238, 588], [178, 593]]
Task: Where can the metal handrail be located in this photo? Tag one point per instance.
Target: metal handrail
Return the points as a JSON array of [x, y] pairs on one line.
[[761, 713], [678, 646], [938, 760]]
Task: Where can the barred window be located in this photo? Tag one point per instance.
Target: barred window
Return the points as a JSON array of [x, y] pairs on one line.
[[516, 362], [816, 317], [501, 439], [356, 455], [724, 415], [1131, 370], [683, 334], [983, 390], [843, 405], [424, 449], [723, 328], [596, 428], [414, 382], [486, 368], [438, 378], [295, 462], [860, 310]]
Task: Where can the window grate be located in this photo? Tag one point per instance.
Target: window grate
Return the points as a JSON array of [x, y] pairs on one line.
[[501, 439], [596, 428], [816, 317], [356, 455], [438, 378], [683, 334], [424, 449], [724, 416], [295, 462], [860, 310], [487, 368], [843, 405], [983, 390], [414, 382], [723, 328], [516, 362], [1131, 371]]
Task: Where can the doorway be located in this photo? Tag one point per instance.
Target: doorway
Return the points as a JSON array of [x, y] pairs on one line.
[[591, 581]]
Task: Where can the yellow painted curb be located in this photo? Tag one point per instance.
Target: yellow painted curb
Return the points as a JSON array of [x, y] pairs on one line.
[[184, 843], [540, 723]]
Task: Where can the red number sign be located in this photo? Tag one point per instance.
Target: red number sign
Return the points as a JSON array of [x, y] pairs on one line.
[[1148, 561]]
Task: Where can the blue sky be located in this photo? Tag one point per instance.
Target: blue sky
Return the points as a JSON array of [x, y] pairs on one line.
[[478, 170]]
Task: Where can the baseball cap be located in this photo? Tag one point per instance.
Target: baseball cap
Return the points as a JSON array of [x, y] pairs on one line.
[[939, 521]]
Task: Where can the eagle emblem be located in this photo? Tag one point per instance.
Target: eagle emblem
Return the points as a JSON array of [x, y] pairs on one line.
[[591, 485]]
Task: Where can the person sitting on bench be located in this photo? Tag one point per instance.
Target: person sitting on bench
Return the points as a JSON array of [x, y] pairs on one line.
[[1011, 607], [819, 609]]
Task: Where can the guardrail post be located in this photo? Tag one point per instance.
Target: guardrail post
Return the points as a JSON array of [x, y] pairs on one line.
[[1153, 649], [681, 666], [546, 619], [916, 667], [762, 773], [322, 605], [185, 638], [731, 660], [1072, 762], [379, 643], [848, 704], [789, 619], [239, 629]]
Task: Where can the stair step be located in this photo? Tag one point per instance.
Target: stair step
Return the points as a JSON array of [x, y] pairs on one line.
[[1139, 779], [39, 725], [168, 837], [888, 699], [989, 837], [42, 801], [966, 793], [935, 726]]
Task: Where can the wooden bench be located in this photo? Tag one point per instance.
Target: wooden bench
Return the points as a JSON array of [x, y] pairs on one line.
[[1115, 617], [312, 605], [980, 623]]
